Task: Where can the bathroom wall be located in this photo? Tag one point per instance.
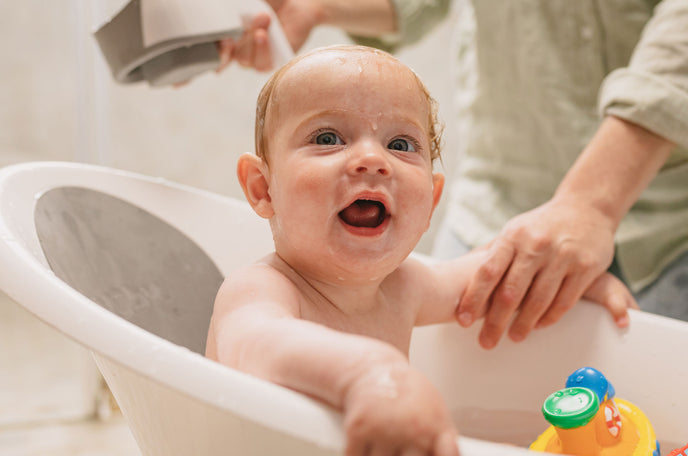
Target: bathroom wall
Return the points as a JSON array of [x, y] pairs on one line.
[[59, 102]]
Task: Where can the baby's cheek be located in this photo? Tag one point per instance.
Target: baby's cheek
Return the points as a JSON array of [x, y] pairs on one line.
[[421, 198], [416, 212], [314, 184], [315, 188]]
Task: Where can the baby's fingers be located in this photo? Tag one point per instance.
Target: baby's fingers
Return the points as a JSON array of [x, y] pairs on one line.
[[610, 292]]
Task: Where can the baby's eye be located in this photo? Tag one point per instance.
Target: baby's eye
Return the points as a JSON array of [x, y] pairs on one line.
[[328, 139], [402, 145]]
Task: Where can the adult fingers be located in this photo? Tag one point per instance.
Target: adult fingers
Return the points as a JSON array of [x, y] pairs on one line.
[[262, 51], [412, 452], [446, 445], [260, 21], [507, 298], [178, 85], [262, 55], [475, 299], [384, 449], [225, 49], [245, 50], [569, 293], [357, 447], [540, 296]]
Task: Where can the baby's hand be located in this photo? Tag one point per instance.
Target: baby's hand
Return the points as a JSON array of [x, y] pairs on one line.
[[396, 411]]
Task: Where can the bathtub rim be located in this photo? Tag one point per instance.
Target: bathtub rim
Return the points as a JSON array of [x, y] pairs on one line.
[[320, 425], [84, 321]]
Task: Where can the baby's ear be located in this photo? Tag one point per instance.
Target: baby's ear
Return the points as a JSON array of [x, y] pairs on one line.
[[252, 174], [437, 187]]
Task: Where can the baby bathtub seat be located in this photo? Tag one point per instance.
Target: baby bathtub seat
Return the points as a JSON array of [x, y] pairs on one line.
[[128, 266]]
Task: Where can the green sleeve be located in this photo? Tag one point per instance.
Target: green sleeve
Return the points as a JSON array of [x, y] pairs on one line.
[[415, 18], [652, 91]]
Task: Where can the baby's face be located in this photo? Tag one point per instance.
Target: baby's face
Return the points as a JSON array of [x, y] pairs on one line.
[[350, 176]]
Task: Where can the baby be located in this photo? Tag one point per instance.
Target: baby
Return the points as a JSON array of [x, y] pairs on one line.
[[346, 137]]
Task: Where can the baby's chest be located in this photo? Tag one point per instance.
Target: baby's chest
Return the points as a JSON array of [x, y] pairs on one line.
[[393, 328]]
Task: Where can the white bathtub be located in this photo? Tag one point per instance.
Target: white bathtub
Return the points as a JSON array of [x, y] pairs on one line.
[[179, 403]]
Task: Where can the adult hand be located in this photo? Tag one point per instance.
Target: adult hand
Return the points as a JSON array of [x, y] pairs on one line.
[[297, 17], [539, 266], [396, 411]]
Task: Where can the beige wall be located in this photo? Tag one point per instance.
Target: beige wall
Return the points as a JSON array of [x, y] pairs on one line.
[[58, 102]]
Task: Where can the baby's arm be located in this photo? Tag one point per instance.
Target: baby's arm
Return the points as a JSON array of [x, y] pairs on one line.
[[388, 407], [449, 280], [442, 285]]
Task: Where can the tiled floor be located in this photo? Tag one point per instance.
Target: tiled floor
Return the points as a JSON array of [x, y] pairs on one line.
[[86, 438]]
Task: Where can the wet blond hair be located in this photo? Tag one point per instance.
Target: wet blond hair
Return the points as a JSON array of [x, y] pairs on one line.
[[265, 98]]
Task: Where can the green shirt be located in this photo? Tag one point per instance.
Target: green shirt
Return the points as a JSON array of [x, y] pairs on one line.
[[533, 80]]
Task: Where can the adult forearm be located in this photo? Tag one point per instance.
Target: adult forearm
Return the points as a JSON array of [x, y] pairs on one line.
[[359, 17], [615, 168]]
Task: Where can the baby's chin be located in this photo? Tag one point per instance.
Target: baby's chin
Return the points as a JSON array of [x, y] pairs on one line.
[[372, 264]]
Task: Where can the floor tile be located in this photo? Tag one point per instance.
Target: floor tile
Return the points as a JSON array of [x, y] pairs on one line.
[[85, 438]]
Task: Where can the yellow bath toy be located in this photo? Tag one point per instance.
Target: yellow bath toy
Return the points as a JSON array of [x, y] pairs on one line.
[[586, 420]]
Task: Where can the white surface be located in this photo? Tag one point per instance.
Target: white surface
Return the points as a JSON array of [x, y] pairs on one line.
[[178, 402]]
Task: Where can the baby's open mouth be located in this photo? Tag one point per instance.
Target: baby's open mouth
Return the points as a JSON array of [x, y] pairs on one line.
[[364, 213]]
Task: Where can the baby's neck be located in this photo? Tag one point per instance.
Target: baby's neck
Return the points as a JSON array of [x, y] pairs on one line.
[[348, 295], [358, 307]]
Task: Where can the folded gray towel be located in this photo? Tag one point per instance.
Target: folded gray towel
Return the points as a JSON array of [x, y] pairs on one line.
[[175, 59]]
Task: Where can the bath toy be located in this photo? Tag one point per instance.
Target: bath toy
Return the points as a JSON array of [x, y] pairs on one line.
[[587, 420], [683, 451]]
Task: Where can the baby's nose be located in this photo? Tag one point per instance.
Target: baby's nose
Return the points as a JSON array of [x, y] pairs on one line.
[[369, 158]]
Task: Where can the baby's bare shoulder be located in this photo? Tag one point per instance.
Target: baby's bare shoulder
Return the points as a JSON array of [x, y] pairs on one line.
[[259, 285], [411, 280], [413, 272]]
